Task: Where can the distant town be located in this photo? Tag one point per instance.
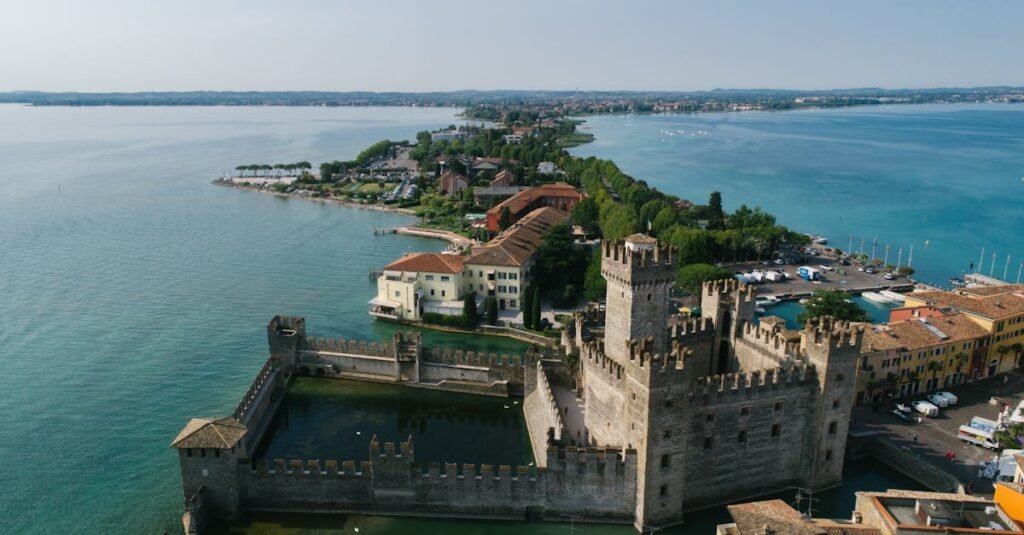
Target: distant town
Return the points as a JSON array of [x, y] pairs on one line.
[[492, 104], [657, 381]]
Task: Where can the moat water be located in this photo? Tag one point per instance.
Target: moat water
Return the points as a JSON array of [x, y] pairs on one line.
[[947, 179], [134, 294]]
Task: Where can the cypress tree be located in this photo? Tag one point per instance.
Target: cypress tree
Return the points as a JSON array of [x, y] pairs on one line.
[[536, 320], [491, 309], [528, 308]]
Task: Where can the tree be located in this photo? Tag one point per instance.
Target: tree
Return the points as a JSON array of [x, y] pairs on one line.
[[1017, 348], [586, 214], [491, 309], [528, 308], [833, 303], [504, 218], [469, 310], [935, 367], [594, 285], [560, 266], [693, 276], [716, 216], [535, 313], [618, 221], [905, 271]]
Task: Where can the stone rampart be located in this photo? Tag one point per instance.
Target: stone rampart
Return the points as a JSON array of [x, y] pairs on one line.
[[754, 383], [341, 345], [595, 484]]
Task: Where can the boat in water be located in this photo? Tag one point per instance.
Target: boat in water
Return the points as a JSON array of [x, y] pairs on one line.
[[876, 298], [767, 301], [894, 297], [805, 300]]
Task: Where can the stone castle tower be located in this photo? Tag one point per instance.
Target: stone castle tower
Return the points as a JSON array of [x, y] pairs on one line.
[[710, 404], [639, 273]]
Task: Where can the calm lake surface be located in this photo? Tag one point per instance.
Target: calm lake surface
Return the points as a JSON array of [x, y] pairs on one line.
[[134, 294], [947, 179]]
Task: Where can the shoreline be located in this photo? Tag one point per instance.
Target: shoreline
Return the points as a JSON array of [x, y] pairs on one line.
[[406, 230], [325, 200]]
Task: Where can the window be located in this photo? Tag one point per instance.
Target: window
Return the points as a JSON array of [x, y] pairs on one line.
[[513, 289], [664, 490], [709, 417], [744, 411], [648, 297], [668, 403], [665, 460], [398, 293], [501, 275], [431, 291], [707, 443], [513, 276], [828, 455], [666, 434], [778, 406], [512, 302], [742, 438], [832, 426], [442, 293], [835, 403], [776, 430], [445, 278], [479, 273], [481, 287], [430, 277], [839, 377]]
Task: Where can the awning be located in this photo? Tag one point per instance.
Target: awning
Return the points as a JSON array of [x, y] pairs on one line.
[[381, 302]]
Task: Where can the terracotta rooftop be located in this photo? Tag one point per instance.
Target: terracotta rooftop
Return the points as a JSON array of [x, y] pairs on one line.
[[776, 517], [516, 244], [992, 302], [640, 238], [523, 199], [428, 263], [217, 433], [913, 334]]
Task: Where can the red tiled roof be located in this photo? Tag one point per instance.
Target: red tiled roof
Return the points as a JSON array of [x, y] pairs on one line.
[[914, 334], [428, 263], [516, 245], [992, 302]]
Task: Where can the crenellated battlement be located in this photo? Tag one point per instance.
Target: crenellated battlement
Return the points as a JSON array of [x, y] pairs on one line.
[[591, 459], [248, 401], [311, 467], [469, 358], [638, 265], [836, 334], [689, 329], [593, 352], [341, 345], [282, 322], [771, 338], [748, 383], [729, 286], [405, 450]]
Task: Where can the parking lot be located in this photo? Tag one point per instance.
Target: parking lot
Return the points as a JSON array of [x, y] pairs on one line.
[[837, 276], [936, 436]]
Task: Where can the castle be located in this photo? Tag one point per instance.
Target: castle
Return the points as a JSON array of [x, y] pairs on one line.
[[661, 416], [717, 408]]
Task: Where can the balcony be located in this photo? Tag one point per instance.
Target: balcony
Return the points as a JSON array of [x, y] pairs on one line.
[[384, 312]]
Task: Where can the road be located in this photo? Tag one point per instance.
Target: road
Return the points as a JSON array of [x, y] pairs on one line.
[[936, 436]]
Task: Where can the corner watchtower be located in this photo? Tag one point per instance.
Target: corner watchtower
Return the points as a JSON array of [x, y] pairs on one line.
[[639, 272]]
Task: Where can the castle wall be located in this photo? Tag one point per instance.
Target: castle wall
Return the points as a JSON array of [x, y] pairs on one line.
[[603, 397], [544, 420], [595, 484], [316, 362], [772, 413]]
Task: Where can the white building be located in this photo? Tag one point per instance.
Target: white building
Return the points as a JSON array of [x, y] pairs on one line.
[[418, 283], [547, 168]]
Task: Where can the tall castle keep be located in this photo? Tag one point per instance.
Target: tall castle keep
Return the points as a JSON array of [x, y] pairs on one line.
[[717, 408]]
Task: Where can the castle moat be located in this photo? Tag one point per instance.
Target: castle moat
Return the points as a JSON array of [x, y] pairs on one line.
[[335, 419]]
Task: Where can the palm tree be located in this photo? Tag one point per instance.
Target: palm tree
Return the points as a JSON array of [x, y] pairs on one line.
[[961, 362], [1017, 348], [935, 367]]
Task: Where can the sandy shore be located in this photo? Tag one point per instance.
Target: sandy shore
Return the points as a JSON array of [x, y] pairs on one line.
[[326, 200]]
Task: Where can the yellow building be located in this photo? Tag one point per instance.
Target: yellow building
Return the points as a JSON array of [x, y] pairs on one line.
[[920, 354], [501, 268], [1010, 494], [418, 283], [997, 309]]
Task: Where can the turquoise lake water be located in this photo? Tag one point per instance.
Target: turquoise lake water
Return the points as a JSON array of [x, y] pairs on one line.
[[134, 294], [947, 179]]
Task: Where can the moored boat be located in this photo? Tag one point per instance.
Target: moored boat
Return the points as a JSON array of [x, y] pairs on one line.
[[893, 296], [875, 297]]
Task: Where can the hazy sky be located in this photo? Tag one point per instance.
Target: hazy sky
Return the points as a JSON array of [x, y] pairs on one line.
[[134, 45]]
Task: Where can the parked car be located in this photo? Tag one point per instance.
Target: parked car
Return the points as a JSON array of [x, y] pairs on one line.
[[889, 276], [950, 398], [925, 408], [938, 401], [869, 270]]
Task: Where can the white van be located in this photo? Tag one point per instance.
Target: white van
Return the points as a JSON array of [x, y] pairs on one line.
[[925, 408], [980, 432], [938, 401]]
